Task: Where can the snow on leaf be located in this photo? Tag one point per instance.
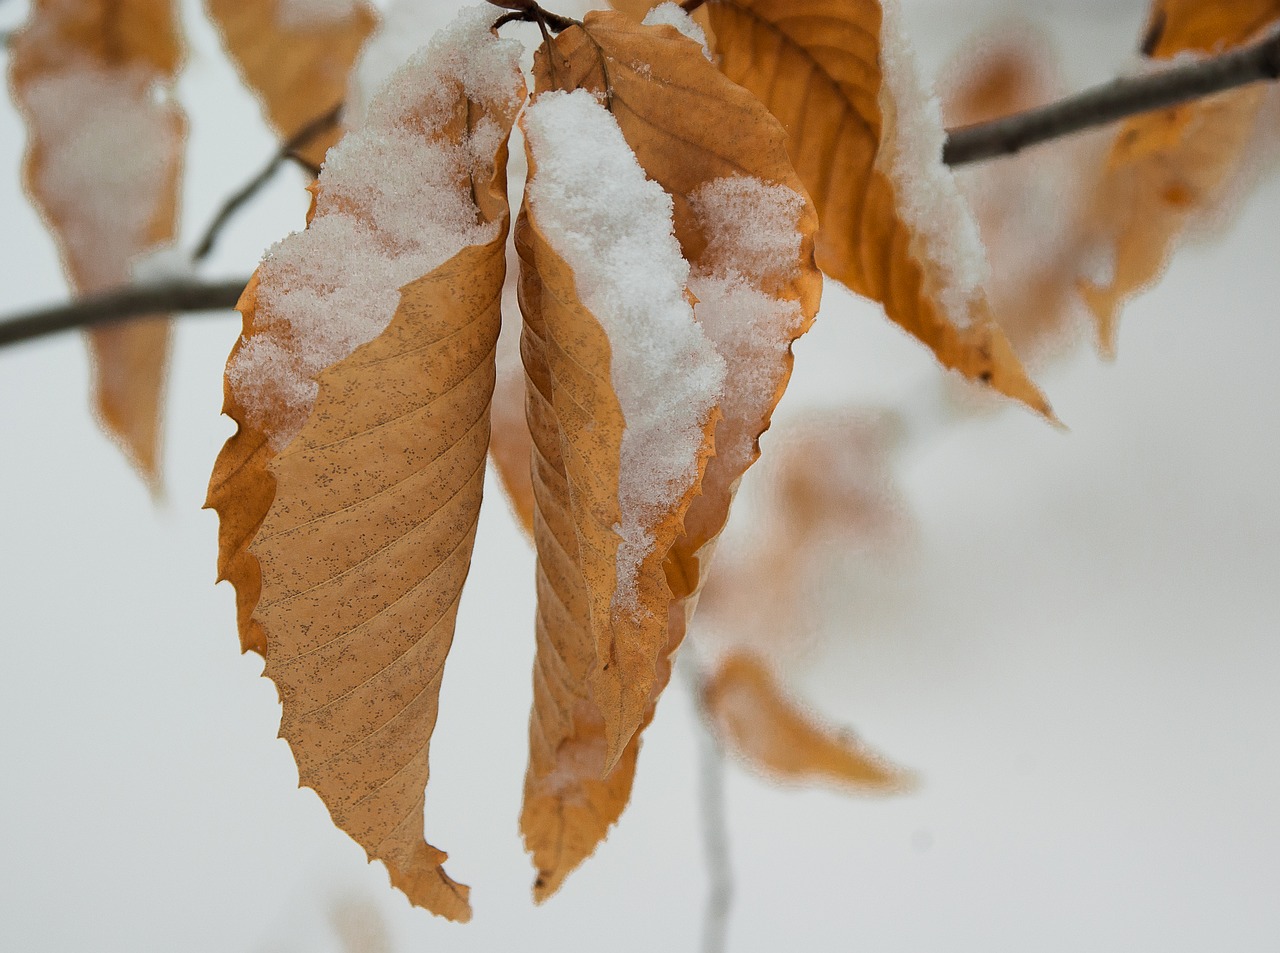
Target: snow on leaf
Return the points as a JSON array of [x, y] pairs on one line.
[[746, 229], [358, 468], [103, 166], [1167, 167], [296, 55], [605, 512], [669, 12], [867, 143], [758, 722]]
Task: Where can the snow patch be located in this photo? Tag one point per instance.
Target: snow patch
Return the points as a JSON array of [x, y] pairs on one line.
[[393, 204], [672, 14], [108, 145], [753, 246], [945, 236], [406, 27], [604, 217]]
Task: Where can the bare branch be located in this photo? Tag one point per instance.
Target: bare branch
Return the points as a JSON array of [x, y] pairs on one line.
[[121, 305], [1115, 100], [712, 813], [715, 840], [251, 188]]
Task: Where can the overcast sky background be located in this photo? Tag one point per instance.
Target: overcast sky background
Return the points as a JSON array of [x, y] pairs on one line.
[[1078, 653]]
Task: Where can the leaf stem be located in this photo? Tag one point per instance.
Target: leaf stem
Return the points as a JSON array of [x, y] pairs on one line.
[[121, 305], [1118, 99]]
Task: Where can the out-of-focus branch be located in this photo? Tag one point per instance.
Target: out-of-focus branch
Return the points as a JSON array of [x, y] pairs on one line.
[[1118, 99], [121, 305], [251, 188]]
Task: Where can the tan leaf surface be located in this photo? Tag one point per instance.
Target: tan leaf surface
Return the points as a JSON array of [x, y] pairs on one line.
[[510, 444], [103, 165], [363, 566], [688, 126], [757, 721], [349, 545], [241, 491], [1167, 167], [299, 69], [569, 799], [637, 10], [817, 65]]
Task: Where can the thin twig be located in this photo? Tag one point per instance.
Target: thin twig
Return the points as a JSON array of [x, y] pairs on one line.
[[1115, 100], [121, 305], [715, 842], [251, 188], [712, 812]]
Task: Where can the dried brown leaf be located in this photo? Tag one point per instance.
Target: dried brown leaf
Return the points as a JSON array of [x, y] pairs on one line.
[[90, 76], [637, 10], [1168, 167], [687, 126], [349, 547], [757, 721], [298, 69], [363, 566], [510, 443], [817, 65], [241, 490]]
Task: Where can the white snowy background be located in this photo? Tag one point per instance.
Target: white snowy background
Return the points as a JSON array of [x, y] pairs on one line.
[[1079, 652]]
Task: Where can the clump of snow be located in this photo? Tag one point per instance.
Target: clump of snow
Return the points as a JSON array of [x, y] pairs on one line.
[[406, 26], [394, 202], [314, 14], [672, 14], [753, 247], [614, 227], [945, 235], [108, 145]]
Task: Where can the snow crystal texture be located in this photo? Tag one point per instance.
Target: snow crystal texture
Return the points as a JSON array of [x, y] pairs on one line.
[[614, 228], [393, 204], [753, 247], [929, 201]]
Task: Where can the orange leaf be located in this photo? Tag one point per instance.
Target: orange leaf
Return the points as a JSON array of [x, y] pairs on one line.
[[241, 490], [722, 159], [1168, 167], [510, 443], [838, 79], [103, 166], [758, 722], [359, 485], [295, 59], [637, 10]]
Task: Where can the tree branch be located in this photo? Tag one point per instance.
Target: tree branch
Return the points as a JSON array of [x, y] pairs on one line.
[[121, 305], [1115, 100], [1130, 96], [253, 186]]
